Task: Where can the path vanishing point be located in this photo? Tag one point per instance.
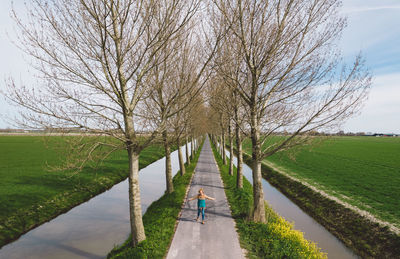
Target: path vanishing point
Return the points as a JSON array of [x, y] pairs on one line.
[[217, 238]]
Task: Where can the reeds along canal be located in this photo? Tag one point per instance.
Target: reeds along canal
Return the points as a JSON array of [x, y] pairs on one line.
[[93, 228], [312, 230]]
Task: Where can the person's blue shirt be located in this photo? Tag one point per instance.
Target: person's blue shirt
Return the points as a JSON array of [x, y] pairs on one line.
[[201, 203]]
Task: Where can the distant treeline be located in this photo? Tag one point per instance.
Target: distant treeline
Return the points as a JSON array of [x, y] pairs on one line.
[[69, 130], [284, 133], [340, 133]]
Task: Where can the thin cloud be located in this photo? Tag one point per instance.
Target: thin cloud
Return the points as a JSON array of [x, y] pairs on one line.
[[368, 9]]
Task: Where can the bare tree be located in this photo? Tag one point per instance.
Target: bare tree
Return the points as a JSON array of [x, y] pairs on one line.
[[220, 100], [213, 122], [226, 103], [291, 78], [222, 123], [94, 59], [175, 88], [238, 119], [179, 126], [187, 147], [227, 66], [199, 126]]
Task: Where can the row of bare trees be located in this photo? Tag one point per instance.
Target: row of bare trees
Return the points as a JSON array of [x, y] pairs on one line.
[[129, 70], [278, 70], [121, 68]]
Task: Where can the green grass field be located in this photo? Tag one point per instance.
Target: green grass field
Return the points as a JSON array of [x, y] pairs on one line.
[[31, 195], [362, 171]]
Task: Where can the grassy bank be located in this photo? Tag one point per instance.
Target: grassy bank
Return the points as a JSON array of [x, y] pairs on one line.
[[366, 238], [159, 220], [30, 195], [277, 238]]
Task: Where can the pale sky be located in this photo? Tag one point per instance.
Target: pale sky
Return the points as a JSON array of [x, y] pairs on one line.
[[373, 28]]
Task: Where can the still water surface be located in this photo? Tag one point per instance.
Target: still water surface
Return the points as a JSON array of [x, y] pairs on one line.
[[92, 229], [311, 229]]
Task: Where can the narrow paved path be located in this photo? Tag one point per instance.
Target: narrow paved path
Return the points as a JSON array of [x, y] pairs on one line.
[[217, 238]]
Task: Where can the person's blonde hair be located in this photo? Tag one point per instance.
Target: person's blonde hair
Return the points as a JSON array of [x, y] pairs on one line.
[[201, 189]]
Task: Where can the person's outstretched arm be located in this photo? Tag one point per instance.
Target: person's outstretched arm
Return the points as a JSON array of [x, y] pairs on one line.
[[210, 198], [193, 198]]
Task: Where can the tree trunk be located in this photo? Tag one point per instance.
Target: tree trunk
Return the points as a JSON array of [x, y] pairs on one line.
[[239, 166], [135, 207], [223, 148], [230, 150], [192, 149], [168, 168], [220, 145], [187, 152], [180, 157], [258, 194]]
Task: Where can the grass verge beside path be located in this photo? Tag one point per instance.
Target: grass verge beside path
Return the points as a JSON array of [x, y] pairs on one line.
[[31, 196], [366, 238], [276, 238], [160, 220]]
